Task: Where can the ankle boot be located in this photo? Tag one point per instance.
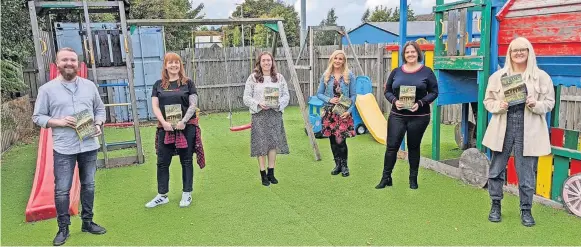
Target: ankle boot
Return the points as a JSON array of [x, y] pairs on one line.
[[495, 209], [61, 236], [413, 182], [344, 168], [385, 181], [527, 218], [337, 168], [271, 177], [265, 181]]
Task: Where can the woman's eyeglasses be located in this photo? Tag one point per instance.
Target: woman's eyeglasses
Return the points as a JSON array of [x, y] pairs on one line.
[[522, 50]]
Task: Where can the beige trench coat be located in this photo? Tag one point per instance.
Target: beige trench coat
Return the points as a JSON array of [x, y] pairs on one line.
[[536, 133]]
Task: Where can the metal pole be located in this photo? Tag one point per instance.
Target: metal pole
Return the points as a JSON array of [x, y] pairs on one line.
[[242, 16], [403, 25], [303, 21]]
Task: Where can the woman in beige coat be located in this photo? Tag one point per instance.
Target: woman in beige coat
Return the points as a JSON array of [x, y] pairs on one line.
[[519, 128]]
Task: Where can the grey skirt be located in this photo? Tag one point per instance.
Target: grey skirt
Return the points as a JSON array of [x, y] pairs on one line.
[[267, 133]]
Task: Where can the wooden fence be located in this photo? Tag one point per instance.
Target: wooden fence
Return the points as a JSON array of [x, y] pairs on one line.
[[219, 81]]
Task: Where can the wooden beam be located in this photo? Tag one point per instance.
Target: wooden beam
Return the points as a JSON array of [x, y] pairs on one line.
[[133, 98], [110, 73], [72, 4], [311, 61], [338, 29], [41, 76], [233, 21], [295, 81], [458, 62], [355, 54]]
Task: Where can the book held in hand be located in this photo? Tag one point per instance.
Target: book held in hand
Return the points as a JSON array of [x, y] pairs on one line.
[[407, 95], [173, 114], [271, 97], [342, 106], [514, 89], [85, 126]]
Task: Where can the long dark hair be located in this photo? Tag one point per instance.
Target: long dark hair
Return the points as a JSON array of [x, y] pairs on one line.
[[258, 75]]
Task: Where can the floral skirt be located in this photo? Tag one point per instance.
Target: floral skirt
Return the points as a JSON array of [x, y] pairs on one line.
[[334, 125]]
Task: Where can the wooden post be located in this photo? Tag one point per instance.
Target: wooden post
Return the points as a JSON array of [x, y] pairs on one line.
[[91, 57], [298, 91], [379, 81], [354, 53], [483, 75], [311, 61], [36, 40], [437, 110], [129, 65], [274, 41]]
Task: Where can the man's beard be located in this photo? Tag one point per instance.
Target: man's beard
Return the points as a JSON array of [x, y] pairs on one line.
[[68, 76]]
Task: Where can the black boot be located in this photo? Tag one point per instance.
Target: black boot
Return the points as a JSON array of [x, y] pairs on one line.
[[337, 168], [91, 227], [271, 177], [494, 215], [61, 236], [414, 182], [385, 181], [527, 218], [344, 168], [265, 181]]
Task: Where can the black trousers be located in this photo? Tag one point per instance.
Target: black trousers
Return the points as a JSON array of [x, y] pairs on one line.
[[165, 152], [339, 149], [397, 127]]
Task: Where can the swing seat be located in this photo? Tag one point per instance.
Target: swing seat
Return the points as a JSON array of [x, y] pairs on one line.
[[241, 127]]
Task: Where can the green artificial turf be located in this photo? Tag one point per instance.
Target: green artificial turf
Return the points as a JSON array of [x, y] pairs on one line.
[[307, 207]]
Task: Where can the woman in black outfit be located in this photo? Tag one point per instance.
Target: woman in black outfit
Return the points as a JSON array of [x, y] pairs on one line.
[[413, 120], [174, 89]]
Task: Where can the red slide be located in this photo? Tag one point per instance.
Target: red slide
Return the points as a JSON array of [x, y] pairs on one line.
[[41, 202]]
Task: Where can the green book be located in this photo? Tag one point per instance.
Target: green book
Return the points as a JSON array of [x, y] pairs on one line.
[[514, 89], [271, 97], [85, 126], [407, 95], [342, 106], [173, 114]]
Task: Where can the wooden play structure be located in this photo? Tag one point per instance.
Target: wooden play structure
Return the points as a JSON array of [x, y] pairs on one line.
[[554, 28]]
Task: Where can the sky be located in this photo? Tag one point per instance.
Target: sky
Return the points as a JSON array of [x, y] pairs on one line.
[[349, 12]]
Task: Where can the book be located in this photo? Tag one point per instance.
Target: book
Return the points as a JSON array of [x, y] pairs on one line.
[[173, 114], [342, 106], [85, 126], [514, 89], [271, 97], [407, 95]]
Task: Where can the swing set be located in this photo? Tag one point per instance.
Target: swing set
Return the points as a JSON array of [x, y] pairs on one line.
[[276, 25]]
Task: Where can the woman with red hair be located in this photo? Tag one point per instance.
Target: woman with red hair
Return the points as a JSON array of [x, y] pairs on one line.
[[175, 135]]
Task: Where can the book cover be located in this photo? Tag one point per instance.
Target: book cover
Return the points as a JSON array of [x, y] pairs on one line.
[[271, 97], [342, 106], [514, 89], [173, 114], [85, 126], [407, 95]]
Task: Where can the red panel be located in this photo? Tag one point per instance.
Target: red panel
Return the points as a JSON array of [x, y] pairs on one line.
[[571, 19], [550, 35], [557, 137], [511, 177], [575, 167], [562, 49]]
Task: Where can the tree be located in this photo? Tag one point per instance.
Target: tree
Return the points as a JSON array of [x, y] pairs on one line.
[[327, 37], [16, 42], [176, 37], [383, 14], [366, 15], [263, 9]]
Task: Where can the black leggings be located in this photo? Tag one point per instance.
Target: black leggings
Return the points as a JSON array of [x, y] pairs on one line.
[[339, 149], [397, 126]]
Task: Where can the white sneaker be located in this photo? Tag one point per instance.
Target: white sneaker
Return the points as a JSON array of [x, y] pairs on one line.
[[186, 199], [157, 200]]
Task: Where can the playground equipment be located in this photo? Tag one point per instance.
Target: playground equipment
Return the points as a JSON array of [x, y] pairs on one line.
[[276, 25], [463, 76], [100, 72]]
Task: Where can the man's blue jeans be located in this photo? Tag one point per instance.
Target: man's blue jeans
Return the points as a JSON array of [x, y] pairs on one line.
[[64, 168]]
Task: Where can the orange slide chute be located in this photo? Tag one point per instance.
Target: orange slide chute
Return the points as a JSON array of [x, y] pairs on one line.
[[41, 204]]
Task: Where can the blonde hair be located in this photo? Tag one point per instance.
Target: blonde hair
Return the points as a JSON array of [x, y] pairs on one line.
[[531, 71], [329, 69]]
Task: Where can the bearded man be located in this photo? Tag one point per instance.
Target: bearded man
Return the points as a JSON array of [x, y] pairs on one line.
[[56, 104]]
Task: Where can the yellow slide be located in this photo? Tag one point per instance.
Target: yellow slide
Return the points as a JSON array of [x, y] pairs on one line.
[[372, 117]]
